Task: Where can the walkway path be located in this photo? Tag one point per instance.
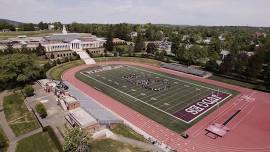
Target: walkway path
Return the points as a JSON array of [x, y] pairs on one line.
[[7, 130], [13, 143]]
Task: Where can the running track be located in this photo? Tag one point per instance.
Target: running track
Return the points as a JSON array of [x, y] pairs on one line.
[[250, 130]]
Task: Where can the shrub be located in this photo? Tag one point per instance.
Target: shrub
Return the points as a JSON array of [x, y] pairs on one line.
[[66, 59], [41, 110], [28, 91], [58, 61], [3, 141]]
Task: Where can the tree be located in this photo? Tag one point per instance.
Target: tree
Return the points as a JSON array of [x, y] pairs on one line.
[[10, 50], [28, 91], [58, 61], [174, 47], [40, 50], [27, 27], [255, 64], [109, 43], [151, 48], [227, 65], [42, 26], [3, 142], [7, 26], [139, 44], [267, 75], [77, 141], [18, 69], [211, 65], [41, 110], [241, 63]]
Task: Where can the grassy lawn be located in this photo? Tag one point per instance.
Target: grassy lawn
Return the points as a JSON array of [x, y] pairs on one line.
[[19, 118], [125, 131], [58, 70], [260, 87], [40, 142], [6, 35], [108, 145], [132, 59], [231, 81], [3, 141]]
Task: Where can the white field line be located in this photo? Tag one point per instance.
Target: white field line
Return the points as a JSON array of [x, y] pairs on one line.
[[181, 91], [177, 104], [182, 80], [175, 88], [158, 108], [193, 92], [134, 98]]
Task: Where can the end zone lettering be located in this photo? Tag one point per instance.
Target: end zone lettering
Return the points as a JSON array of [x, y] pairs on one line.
[[189, 113]]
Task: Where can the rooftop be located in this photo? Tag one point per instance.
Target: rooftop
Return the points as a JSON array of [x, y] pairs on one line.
[[70, 100], [82, 117], [92, 107]]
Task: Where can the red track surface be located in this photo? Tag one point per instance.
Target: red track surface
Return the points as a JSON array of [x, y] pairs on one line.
[[250, 130]]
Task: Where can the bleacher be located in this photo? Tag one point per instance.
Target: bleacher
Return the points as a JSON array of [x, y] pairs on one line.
[[85, 57], [186, 69]]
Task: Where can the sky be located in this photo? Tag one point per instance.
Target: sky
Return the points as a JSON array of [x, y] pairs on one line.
[[180, 12]]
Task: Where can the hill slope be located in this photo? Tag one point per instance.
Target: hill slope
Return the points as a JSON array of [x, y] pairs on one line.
[[15, 23]]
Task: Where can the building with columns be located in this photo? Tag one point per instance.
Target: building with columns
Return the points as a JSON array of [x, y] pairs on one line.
[[60, 45]]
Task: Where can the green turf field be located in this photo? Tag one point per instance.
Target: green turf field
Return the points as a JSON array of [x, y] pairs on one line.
[[163, 95]]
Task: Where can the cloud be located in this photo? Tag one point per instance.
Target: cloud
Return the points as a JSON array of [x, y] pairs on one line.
[[194, 12]]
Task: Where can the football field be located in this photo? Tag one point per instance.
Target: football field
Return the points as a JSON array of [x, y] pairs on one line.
[[170, 100]]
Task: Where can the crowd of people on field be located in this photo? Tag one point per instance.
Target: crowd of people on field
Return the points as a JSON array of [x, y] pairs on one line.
[[154, 84]]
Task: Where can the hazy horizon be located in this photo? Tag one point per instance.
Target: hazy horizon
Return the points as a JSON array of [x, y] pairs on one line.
[[174, 12]]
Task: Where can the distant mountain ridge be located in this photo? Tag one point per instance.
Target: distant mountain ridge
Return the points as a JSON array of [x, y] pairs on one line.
[[15, 23]]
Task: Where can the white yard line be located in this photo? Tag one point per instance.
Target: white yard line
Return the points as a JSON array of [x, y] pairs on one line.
[[182, 90], [156, 107], [133, 97], [168, 92], [174, 105]]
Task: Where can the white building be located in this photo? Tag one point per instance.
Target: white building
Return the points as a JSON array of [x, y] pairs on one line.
[[51, 27], [207, 40], [60, 45], [224, 53]]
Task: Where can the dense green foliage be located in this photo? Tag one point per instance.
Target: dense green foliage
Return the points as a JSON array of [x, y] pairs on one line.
[[7, 26], [77, 141], [18, 69], [28, 91], [3, 141], [41, 110], [27, 27]]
